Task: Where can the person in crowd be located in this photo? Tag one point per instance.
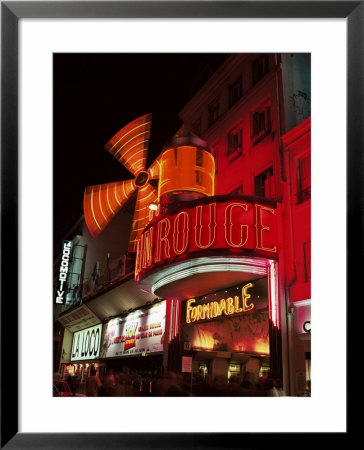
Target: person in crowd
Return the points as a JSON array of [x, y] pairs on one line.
[[170, 385], [259, 387], [270, 388], [109, 383], [247, 382], [128, 385], [70, 383], [219, 387], [93, 384], [119, 388], [234, 389]]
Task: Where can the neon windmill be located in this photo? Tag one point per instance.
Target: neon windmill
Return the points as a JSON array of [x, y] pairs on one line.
[[102, 202]]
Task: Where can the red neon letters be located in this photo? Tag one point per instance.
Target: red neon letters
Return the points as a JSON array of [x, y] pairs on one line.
[[233, 225]]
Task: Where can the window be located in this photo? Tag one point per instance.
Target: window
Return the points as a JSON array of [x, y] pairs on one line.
[[238, 191], [234, 143], [235, 91], [307, 257], [264, 184], [304, 179], [260, 68], [261, 123], [213, 112]]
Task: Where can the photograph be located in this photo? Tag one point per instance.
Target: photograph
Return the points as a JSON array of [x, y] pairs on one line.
[[157, 218], [182, 224]]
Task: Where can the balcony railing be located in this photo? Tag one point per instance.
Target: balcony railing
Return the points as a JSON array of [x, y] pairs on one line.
[[115, 271]]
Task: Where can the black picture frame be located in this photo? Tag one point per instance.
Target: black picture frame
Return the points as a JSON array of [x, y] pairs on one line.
[[11, 12]]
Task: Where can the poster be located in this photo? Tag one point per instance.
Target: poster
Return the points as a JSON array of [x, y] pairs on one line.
[[140, 332]]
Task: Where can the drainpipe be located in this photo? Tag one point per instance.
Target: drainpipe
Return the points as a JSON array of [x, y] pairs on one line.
[[281, 115], [290, 318], [287, 182], [290, 313]]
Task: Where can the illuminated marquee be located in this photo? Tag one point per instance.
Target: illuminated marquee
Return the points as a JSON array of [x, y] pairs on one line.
[[235, 319], [215, 223], [228, 306]]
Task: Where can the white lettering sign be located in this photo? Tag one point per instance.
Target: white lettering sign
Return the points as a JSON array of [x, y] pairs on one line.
[[86, 343], [63, 272]]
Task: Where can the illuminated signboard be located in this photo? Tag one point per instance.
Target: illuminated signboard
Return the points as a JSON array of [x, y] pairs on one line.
[[63, 272], [233, 320], [86, 343], [140, 332], [215, 223], [224, 306]]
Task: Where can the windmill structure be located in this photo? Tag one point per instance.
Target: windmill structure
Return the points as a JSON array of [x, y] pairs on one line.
[[103, 201]]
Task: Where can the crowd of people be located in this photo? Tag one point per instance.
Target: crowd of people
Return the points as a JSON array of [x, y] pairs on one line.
[[172, 384]]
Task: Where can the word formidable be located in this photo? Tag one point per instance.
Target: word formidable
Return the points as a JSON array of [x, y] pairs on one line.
[[234, 225], [228, 306]]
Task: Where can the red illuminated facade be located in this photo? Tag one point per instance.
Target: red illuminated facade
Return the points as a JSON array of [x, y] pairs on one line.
[[227, 250], [254, 112]]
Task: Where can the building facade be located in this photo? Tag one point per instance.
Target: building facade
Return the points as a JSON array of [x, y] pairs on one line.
[[255, 114]]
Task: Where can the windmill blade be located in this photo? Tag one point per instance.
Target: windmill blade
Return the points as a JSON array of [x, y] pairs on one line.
[[103, 201], [142, 214], [130, 145]]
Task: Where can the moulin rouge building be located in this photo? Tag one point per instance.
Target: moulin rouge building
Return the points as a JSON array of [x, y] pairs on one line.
[[219, 279]]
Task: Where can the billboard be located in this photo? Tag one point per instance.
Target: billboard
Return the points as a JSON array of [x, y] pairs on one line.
[[86, 343], [78, 319], [140, 332]]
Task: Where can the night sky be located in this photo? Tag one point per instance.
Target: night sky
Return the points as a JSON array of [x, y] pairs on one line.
[[95, 95]]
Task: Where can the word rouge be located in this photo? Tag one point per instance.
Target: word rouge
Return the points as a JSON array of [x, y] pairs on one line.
[[234, 225]]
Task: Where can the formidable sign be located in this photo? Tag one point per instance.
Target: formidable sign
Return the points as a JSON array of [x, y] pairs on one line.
[[236, 319], [212, 223], [86, 343], [140, 332], [63, 272], [226, 306]]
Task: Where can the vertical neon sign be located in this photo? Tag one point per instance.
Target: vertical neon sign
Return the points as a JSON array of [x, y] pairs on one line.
[[273, 294], [63, 272]]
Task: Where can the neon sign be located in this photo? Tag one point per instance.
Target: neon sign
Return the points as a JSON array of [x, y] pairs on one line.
[[214, 223], [63, 272], [228, 306]]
